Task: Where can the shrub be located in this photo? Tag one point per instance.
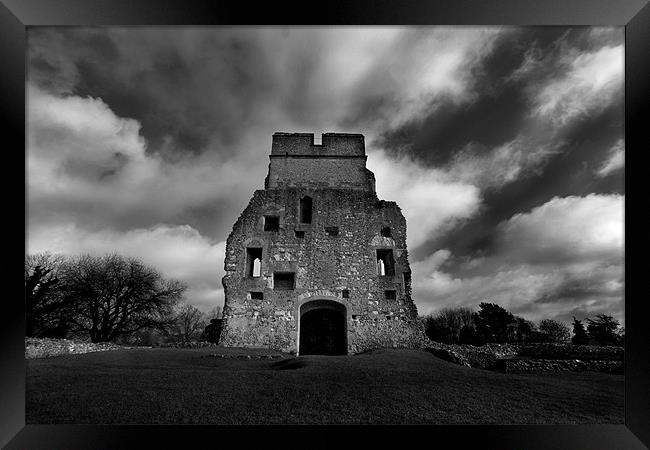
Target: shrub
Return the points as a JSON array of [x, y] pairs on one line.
[[580, 336], [495, 324], [604, 330], [554, 330]]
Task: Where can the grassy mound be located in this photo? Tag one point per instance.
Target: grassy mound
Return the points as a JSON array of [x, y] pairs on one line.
[[178, 386]]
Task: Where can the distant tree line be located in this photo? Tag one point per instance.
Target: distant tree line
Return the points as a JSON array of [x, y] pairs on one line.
[[109, 298], [494, 324]]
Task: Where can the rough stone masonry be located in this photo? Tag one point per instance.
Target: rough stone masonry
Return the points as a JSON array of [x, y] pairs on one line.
[[316, 263]]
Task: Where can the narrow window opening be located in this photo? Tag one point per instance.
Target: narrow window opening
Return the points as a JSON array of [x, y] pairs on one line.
[[332, 231], [385, 262], [390, 295], [345, 293], [257, 296], [271, 223], [300, 234], [305, 209], [283, 281], [253, 262], [407, 281], [385, 232]]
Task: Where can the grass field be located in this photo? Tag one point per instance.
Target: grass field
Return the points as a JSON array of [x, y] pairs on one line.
[[157, 386]]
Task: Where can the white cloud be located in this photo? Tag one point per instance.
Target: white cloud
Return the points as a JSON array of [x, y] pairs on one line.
[[408, 79], [587, 83], [615, 160], [510, 288], [87, 165], [564, 257], [430, 202], [500, 165], [565, 229], [85, 161], [179, 252]]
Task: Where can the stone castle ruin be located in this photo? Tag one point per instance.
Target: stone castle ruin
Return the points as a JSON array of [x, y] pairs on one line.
[[316, 263]]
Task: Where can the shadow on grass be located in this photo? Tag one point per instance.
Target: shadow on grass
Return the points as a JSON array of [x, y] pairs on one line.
[[176, 386]]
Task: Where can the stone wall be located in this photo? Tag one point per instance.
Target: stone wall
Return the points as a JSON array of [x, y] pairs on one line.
[[518, 365], [532, 358], [569, 351], [484, 357], [337, 173], [324, 267], [332, 144], [45, 347]]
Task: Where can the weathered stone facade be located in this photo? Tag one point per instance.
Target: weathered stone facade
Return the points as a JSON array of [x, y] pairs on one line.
[[302, 260]]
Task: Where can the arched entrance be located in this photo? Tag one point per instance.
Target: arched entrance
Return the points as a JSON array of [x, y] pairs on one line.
[[323, 328]]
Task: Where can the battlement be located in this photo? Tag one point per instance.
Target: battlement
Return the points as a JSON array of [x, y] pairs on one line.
[[332, 145], [339, 162]]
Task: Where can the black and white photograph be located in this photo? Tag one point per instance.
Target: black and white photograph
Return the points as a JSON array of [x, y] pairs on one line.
[[300, 225]]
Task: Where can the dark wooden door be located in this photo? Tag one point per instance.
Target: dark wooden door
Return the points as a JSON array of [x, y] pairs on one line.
[[322, 332]]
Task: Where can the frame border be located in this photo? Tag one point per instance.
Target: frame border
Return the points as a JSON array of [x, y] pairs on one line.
[[16, 15]]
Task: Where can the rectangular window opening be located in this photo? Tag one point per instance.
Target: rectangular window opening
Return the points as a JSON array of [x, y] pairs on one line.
[[305, 209], [390, 295], [300, 234], [385, 262], [283, 281], [271, 223], [332, 231], [345, 293], [253, 261], [257, 296]]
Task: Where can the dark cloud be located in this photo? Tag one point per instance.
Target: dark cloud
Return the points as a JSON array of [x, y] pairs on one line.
[[467, 128]]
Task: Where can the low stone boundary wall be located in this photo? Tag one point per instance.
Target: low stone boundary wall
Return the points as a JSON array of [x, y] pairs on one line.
[[568, 351], [530, 358], [484, 357], [45, 347], [517, 365], [199, 344], [233, 356]]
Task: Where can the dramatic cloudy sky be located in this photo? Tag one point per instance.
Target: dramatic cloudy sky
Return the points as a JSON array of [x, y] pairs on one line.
[[503, 146]]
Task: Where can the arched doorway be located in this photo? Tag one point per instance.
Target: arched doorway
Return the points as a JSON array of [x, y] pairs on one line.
[[323, 328]]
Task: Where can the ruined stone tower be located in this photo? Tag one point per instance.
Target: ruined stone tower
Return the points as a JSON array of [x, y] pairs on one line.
[[316, 263]]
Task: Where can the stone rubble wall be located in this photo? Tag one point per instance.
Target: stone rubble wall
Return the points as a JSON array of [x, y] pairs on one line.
[[191, 344], [568, 351], [532, 358], [484, 357], [43, 348], [332, 144], [516, 365], [324, 267], [389, 334], [336, 174]]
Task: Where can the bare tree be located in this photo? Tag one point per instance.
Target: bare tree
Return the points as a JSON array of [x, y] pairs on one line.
[[47, 310], [215, 313], [449, 324], [190, 321], [115, 295]]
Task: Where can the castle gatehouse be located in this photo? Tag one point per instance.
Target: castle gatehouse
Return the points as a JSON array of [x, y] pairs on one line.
[[316, 263]]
